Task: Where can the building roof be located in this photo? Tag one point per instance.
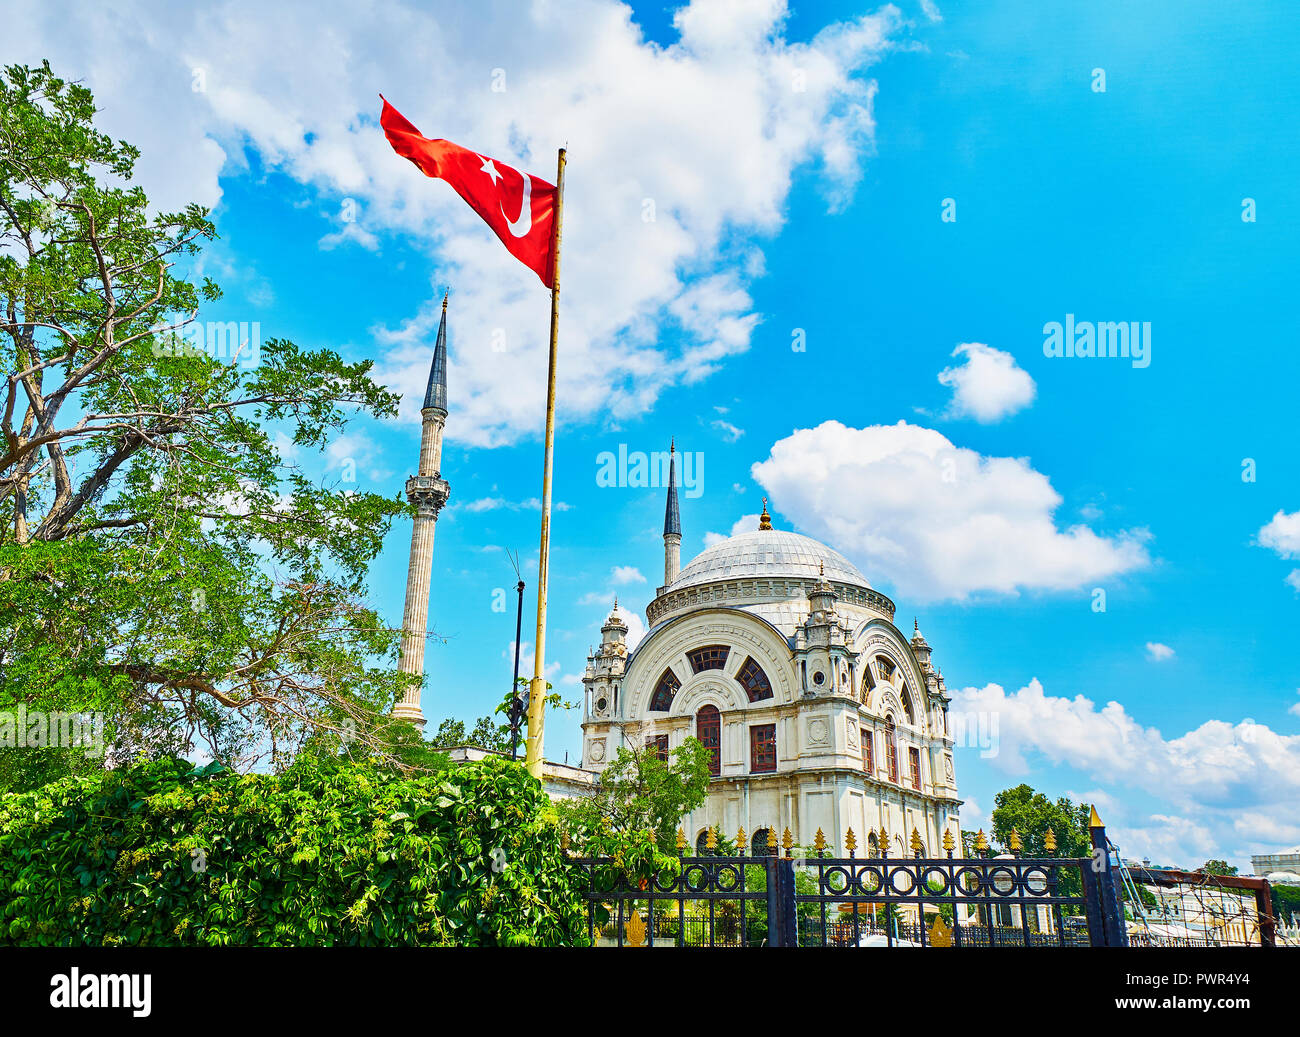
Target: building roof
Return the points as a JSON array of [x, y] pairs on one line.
[[768, 553]]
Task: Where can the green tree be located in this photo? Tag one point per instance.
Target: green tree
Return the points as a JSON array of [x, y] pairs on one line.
[[1031, 814], [160, 560], [1218, 867], [640, 794], [487, 734]]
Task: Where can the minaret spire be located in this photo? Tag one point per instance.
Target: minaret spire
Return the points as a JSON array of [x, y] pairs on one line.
[[428, 491], [672, 521]]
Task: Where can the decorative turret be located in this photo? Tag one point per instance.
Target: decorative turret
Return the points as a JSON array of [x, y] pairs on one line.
[[428, 491], [604, 673], [920, 648], [765, 520], [672, 521]]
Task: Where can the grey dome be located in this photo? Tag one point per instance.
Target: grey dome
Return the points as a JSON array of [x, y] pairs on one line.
[[767, 553]]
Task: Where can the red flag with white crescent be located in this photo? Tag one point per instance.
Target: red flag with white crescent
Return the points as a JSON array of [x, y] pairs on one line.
[[520, 208]]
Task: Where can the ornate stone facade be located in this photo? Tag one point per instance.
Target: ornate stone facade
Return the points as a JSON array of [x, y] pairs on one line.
[[775, 651]]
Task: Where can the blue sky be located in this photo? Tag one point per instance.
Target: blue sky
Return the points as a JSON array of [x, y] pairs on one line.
[[815, 209]]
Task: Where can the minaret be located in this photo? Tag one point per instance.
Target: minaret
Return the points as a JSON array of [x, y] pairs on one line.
[[428, 492], [672, 521]]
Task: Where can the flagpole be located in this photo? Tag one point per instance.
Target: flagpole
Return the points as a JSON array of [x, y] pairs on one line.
[[537, 687]]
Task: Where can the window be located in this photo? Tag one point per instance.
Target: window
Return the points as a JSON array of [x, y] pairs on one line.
[[702, 844], [658, 745], [662, 700], [754, 681], [762, 748], [891, 749], [914, 766], [758, 847], [708, 729], [868, 752], [873, 844], [907, 707], [710, 657], [885, 668]]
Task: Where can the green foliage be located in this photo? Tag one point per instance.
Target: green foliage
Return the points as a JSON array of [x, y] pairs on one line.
[[331, 853], [486, 735], [1032, 814], [162, 561], [1218, 867], [640, 801], [1286, 902]]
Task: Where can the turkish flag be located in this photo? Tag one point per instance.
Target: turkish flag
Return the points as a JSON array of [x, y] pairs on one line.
[[518, 207]]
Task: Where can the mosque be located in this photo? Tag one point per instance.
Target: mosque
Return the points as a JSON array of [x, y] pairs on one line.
[[769, 647], [776, 653]]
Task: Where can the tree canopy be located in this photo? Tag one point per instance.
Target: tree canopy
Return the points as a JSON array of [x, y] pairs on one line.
[[162, 560]]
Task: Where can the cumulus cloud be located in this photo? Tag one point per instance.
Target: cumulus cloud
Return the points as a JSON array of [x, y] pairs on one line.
[[933, 519], [680, 157], [624, 574], [1159, 653], [1216, 765], [988, 385], [1282, 535], [1210, 776], [744, 524]]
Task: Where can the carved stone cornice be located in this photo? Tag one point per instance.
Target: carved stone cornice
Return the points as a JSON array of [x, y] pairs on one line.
[[428, 493]]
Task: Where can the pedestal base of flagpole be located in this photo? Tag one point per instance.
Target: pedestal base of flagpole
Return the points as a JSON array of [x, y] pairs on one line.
[[412, 712]]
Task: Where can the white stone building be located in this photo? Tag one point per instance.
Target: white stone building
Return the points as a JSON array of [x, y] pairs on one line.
[[775, 652]]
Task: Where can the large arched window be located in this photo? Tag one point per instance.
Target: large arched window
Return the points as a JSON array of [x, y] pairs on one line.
[[891, 749], [662, 699], [754, 681], [758, 846], [710, 657], [708, 729]]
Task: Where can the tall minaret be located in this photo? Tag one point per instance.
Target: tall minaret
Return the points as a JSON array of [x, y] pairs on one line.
[[428, 492], [672, 521]]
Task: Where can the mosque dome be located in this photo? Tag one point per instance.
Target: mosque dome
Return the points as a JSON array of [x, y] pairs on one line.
[[768, 553]]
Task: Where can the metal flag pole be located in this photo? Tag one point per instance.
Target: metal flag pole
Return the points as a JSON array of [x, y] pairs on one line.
[[537, 688]]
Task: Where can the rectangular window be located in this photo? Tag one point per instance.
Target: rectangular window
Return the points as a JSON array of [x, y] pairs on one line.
[[914, 765], [762, 748], [658, 744], [868, 753]]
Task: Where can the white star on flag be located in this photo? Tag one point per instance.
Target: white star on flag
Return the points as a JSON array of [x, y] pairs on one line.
[[490, 170]]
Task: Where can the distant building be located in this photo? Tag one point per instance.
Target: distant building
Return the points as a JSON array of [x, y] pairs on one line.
[[1281, 868]]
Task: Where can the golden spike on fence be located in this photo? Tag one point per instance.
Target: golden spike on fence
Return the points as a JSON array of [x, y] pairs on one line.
[[981, 843], [1014, 841], [711, 840], [634, 931], [681, 843], [1049, 840], [771, 840], [851, 841], [740, 840], [819, 842], [884, 842], [787, 841], [948, 843], [917, 845]]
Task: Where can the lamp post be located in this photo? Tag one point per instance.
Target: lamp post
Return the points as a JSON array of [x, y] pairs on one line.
[[518, 705]]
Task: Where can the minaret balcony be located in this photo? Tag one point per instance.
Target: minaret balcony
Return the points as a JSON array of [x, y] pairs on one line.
[[428, 493]]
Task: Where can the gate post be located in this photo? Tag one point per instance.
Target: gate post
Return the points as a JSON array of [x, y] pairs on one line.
[[1104, 908], [781, 930]]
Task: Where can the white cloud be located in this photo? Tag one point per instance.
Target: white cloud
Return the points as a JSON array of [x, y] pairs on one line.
[[1294, 709], [1218, 766], [350, 233], [936, 520], [729, 431], [988, 386], [680, 156], [1292, 580], [501, 503], [931, 10], [744, 524], [1159, 653], [621, 575], [1282, 534]]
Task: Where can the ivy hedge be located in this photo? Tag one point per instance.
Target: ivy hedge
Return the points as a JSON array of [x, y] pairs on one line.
[[323, 854]]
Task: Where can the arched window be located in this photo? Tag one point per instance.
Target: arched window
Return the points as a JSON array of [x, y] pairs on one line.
[[710, 657], [758, 846], [907, 706], [873, 845], [891, 749], [662, 700], [754, 681], [885, 667], [702, 844], [708, 729]]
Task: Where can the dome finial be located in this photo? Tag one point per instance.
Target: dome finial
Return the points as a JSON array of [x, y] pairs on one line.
[[821, 567], [765, 520]]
